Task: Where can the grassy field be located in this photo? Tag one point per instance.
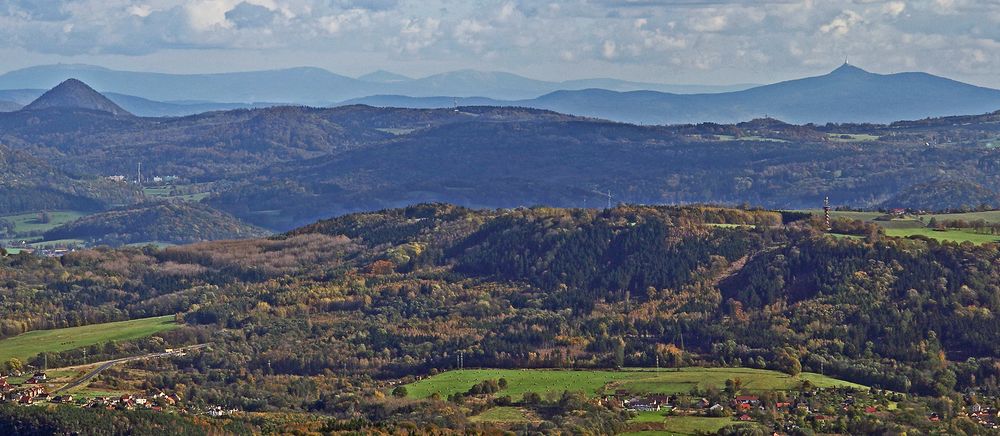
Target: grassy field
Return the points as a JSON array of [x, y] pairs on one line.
[[951, 235], [991, 216], [29, 344], [911, 226], [56, 243], [595, 382], [728, 138], [682, 425], [29, 222], [165, 192], [850, 137], [501, 415]]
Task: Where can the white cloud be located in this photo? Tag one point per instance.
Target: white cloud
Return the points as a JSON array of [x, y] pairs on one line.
[[609, 49], [140, 10], [894, 8], [700, 40], [712, 23], [843, 24]]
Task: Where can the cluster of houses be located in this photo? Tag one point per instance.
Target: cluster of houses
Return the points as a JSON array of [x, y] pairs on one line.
[[130, 402], [24, 247], [986, 416], [155, 179], [741, 407], [27, 393], [32, 390]]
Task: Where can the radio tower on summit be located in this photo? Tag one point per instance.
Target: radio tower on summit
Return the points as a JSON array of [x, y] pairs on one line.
[[826, 213]]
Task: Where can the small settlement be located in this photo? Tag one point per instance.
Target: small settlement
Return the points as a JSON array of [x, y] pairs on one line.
[[35, 390], [817, 408]]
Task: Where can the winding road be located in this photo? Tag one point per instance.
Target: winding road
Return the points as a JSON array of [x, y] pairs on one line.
[[103, 366]]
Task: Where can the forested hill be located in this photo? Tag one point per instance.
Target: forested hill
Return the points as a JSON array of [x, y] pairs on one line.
[[341, 308], [564, 162], [30, 184], [214, 145], [164, 222]]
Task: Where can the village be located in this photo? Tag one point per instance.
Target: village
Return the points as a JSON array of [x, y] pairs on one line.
[[35, 390], [816, 408]]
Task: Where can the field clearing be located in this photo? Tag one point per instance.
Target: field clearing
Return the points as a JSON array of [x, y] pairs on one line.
[[950, 235], [597, 382], [683, 425], [901, 223], [990, 216], [731, 226], [849, 214], [728, 138], [56, 243], [504, 414], [851, 137], [905, 227], [29, 222], [27, 345]]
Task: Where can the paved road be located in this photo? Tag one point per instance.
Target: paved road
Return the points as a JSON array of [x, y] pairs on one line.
[[93, 373]]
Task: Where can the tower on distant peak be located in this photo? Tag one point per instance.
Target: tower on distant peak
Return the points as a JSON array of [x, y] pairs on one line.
[[826, 213]]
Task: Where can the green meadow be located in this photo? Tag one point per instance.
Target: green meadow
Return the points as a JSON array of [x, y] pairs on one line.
[[679, 425], [598, 382], [27, 345], [914, 226]]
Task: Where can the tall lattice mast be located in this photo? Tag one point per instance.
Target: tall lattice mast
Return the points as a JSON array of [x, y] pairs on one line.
[[826, 213]]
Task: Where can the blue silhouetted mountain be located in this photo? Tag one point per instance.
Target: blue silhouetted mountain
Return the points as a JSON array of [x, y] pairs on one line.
[[847, 94], [74, 94]]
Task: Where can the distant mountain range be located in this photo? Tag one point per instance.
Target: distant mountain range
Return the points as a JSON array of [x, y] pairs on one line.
[[315, 86], [846, 95]]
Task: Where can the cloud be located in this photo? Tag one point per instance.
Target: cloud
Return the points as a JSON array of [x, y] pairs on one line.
[[685, 40], [712, 23], [843, 24], [250, 15], [609, 50], [41, 10]]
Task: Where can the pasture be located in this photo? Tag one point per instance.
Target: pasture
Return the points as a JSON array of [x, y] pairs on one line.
[[598, 382], [678, 425], [950, 235], [31, 222], [27, 345], [913, 226]]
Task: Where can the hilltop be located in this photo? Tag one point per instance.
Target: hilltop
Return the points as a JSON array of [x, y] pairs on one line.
[[166, 222], [74, 94]]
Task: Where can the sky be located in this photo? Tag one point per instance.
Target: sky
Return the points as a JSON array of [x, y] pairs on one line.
[[665, 41]]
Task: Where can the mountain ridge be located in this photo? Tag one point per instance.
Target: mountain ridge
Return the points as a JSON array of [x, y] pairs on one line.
[[847, 94], [304, 85]]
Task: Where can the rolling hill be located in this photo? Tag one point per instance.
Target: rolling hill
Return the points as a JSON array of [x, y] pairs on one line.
[[30, 184], [167, 222]]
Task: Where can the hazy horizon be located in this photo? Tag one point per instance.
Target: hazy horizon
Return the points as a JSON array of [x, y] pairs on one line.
[[712, 42]]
